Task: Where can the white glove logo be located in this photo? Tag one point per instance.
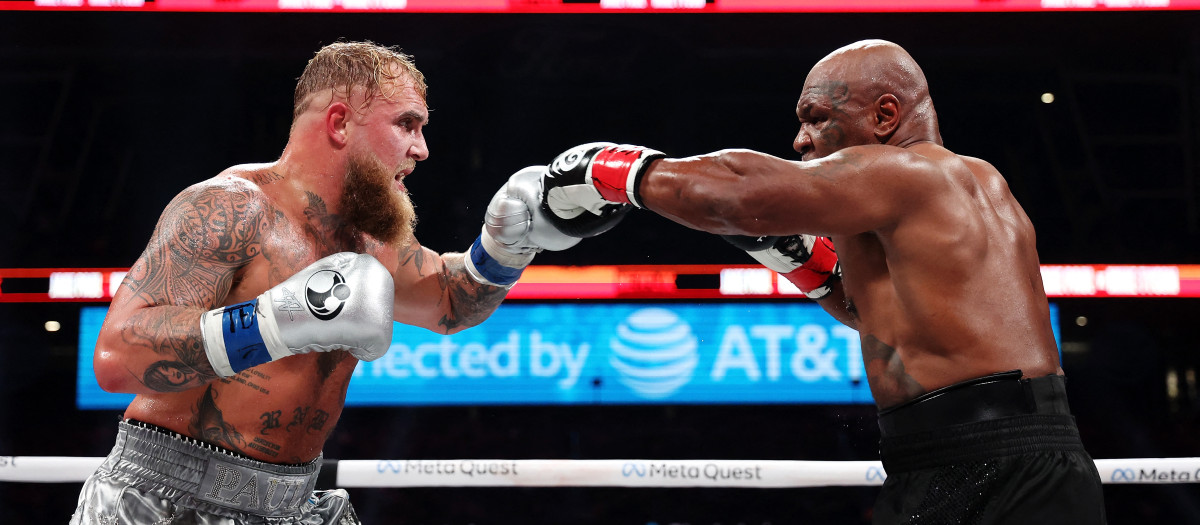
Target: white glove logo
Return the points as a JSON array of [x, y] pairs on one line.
[[326, 292]]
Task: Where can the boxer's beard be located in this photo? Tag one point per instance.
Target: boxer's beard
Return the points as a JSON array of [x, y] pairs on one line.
[[371, 203]]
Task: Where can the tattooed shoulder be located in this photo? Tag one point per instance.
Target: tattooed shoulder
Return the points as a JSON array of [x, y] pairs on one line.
[[214, 222], [205, 233]]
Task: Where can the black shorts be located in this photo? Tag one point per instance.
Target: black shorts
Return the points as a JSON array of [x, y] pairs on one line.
[[995, 450]]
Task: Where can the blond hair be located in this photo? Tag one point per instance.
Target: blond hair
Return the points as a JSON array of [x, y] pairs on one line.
[[343, 66]]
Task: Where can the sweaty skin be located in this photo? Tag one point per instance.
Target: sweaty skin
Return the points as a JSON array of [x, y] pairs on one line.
[[941, 276], [228, 239]]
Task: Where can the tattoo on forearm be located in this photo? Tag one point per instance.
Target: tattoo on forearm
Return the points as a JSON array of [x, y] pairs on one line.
[[471, 302], [174, 334], [174, 376]]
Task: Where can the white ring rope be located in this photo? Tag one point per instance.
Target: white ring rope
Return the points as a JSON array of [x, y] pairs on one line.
[[605, 472]]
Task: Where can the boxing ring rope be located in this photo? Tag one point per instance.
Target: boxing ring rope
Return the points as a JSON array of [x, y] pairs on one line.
[[604, 472]]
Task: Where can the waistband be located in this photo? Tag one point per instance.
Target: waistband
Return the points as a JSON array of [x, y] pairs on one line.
[[981, 441], [986, 398], [199, 475]]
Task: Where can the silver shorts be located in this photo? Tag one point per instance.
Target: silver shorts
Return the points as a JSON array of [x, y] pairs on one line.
[[153, 476]]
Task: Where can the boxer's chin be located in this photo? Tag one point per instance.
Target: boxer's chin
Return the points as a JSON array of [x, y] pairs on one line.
[[372, 204]]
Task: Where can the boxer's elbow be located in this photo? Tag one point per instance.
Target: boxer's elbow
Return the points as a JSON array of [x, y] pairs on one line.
[[112, 374]]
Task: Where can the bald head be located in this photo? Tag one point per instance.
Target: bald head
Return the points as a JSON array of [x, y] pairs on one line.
[[870, 69], [876, 66]]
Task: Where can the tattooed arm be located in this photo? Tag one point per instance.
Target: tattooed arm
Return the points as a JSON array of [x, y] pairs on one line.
[[151, 340], [435, 291]]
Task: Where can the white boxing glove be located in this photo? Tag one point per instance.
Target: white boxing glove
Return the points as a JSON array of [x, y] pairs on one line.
[[808, 261], [341, 302], [515, 228]]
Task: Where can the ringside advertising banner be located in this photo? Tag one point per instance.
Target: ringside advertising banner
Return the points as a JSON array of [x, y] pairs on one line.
[[598, 353]]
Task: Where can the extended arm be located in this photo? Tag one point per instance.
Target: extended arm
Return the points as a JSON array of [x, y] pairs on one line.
[[749, 193], [741, 192], [437, 293], [451, 292]]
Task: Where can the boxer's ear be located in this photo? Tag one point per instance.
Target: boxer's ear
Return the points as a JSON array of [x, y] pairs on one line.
[[887, 117], [337, 116]]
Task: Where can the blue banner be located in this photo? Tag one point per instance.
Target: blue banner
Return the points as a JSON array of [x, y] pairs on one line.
[[600, 353]]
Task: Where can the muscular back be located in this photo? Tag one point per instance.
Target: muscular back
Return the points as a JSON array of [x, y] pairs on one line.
[[951, 289], [221, 242]]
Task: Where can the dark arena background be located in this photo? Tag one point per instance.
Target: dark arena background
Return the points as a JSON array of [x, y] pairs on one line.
[[109, 113]]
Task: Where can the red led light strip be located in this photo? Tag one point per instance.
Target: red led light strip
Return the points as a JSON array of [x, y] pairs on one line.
[[601, 6], [650, 282]]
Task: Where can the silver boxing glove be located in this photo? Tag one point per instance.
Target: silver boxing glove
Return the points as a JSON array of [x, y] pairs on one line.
[[341, 302], [515, 228]]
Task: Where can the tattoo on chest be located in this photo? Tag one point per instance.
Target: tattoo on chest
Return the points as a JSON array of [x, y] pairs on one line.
[[327, 363], [890, 383], [254, 380], [303, 419], [270, 421], [330, 231]]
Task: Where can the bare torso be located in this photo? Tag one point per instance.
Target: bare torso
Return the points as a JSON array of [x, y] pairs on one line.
[[940, 272], [935, 305], [281, 411]]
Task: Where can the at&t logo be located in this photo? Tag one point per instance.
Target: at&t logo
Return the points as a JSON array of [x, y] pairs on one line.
[[654, 352]]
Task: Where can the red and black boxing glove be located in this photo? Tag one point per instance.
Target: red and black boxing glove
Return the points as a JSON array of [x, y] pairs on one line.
[[587, 186], [808, 261]]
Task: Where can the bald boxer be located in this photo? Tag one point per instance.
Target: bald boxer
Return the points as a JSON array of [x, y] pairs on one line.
[[924, 252], [262, 288]]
